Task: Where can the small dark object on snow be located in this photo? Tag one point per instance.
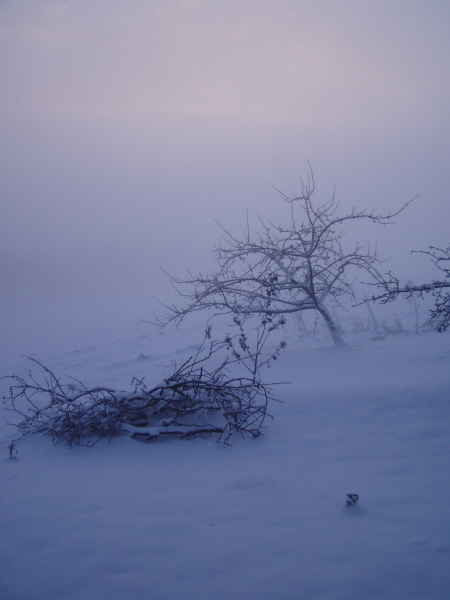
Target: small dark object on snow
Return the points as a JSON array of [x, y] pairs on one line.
[[352, 499]]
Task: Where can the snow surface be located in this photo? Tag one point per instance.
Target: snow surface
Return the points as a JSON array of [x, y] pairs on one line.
[[263, 519]]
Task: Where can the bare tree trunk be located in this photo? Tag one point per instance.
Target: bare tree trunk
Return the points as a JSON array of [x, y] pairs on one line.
[[333, 327], [374, 321]]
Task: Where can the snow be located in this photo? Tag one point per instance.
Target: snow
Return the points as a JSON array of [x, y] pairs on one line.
[[263, 519]]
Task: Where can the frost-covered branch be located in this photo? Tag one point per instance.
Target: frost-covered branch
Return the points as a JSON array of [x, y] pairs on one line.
[[440, 314]]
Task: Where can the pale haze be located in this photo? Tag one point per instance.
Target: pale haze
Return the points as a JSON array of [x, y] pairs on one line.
[[129, 128]]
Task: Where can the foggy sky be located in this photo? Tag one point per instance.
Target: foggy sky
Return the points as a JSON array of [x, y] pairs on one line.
[[129, 128]]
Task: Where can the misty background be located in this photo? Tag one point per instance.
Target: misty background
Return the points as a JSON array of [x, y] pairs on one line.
[[129, 128]]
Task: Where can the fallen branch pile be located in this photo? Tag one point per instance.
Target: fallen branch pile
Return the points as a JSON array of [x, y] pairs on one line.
[[192, 401]]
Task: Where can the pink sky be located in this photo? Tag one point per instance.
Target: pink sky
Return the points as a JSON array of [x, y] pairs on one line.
[[128, 128]]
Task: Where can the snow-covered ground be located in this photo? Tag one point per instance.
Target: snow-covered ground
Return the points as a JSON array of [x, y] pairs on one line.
[[262, 519]]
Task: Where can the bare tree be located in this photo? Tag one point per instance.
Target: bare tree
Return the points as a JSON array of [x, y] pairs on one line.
[[440, 314], [284, 269]]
